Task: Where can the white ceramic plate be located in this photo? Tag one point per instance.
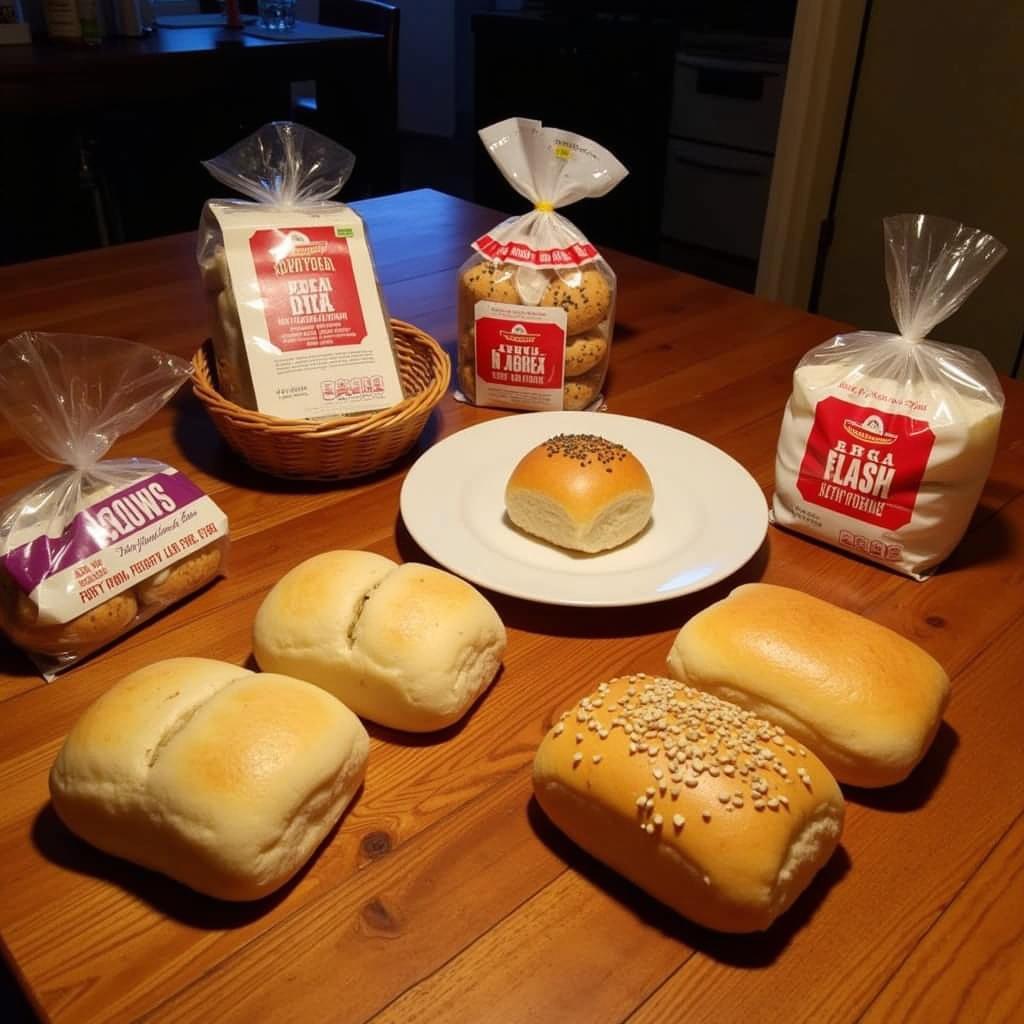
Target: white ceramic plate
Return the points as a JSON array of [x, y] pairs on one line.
[[709, 514]]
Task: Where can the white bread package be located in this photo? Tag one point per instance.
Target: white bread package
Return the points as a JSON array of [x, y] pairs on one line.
[[297, 321], [408, 646], [104, 544], [888, 439], [224, 779], [536, 301]]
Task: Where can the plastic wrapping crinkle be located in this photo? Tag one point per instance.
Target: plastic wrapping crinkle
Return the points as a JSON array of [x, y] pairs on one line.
[[298, 324], [103, 544], [536, 301], [887, 439]]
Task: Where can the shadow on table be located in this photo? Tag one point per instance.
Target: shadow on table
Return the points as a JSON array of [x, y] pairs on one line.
[[562, 620], [916, 790], [60, 846], [759, 949], [13, 661], [990, 537], [203, 446]]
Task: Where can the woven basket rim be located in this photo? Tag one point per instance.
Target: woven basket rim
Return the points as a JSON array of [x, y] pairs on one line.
[[352, 426]]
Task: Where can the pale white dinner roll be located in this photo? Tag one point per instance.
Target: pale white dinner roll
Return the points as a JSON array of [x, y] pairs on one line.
[[865, 699], [408, 646], [580, 492], [224, 779], [711, 810]]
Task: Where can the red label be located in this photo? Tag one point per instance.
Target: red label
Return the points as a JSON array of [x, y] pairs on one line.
[[308, 288], [526, 355], [864, 463], [517, 252]]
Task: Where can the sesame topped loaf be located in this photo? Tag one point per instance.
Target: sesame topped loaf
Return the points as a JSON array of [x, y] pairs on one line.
[[707, 807]]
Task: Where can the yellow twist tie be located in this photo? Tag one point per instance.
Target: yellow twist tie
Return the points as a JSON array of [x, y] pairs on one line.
[[545, 207]]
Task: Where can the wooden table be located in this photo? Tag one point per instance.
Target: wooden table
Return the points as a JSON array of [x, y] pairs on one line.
[[445, 895]]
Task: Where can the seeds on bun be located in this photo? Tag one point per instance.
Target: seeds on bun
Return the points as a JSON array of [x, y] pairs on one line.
[[580, 491]]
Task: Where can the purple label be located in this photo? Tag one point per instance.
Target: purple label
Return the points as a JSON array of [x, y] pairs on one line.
[[99, 526]]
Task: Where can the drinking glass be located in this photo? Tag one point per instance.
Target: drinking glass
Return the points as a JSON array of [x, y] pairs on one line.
[[277, 15]]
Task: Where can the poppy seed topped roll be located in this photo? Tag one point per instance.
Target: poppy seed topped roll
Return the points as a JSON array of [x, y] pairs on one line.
[[580, 491]]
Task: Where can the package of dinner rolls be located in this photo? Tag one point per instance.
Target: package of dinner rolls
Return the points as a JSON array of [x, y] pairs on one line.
[[888, 439], [297, 321], [536, 301], [102, 544]]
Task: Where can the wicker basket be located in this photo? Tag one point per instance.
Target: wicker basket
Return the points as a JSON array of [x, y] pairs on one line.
[[337, 449]]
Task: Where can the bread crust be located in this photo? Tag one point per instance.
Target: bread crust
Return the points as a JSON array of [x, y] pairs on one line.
[[181, 578], [584, 293], [221, 778], [582, 478], [82, 635], [716, 813], [867, 700], [408, 646]]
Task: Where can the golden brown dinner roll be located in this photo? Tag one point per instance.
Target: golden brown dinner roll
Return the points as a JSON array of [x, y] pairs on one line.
[[708, 808], [467, 380], [221, 778], [492, 281], [580, 392], [866, 700], [585, 351], [467, 345], [408, 646], [181, 577], [584, 293], [19, 618], [581, 492]]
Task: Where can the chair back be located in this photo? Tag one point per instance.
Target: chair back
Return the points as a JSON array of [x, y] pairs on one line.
[[366, 16]]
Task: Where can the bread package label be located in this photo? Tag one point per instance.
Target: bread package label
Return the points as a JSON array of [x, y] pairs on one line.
[[887, 439], [520, 356], [313, 328], [887, 472], [864, 462], [112, 544]]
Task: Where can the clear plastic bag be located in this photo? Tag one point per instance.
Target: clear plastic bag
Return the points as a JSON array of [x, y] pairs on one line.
[[102, 545], [297, 320], [887, 439], [536, 301]]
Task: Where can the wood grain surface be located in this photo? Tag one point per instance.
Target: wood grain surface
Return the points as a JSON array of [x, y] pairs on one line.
[[444, 894]]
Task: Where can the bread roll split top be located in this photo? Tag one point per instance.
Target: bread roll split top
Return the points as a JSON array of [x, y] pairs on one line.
[[865, 699], [408, 646], [708, 808], [224, 779], [580, 491]]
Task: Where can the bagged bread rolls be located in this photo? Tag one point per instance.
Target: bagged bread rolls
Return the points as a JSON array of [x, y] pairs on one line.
[[887, 439], [104, 544], [298, 323], [536, 301], [706, 807], [221, 778], [865, 699], [408, 646]]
